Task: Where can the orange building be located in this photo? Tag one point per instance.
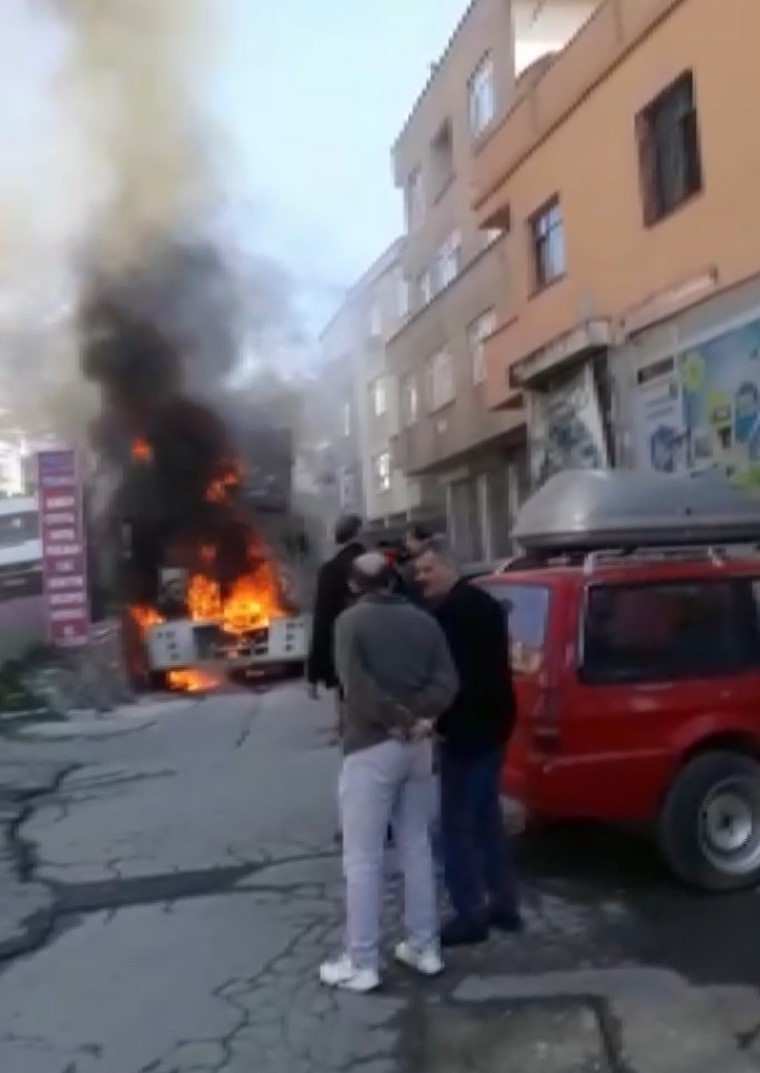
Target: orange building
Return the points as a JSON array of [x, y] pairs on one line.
[[627, 174]]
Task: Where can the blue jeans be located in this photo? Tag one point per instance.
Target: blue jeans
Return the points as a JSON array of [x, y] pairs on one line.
[[477, 855]]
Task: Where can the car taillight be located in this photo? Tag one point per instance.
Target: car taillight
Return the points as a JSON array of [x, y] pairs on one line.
[[545, 725]]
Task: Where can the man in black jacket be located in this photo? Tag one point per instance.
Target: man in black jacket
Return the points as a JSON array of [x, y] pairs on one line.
[[333, 597], [474, 734]]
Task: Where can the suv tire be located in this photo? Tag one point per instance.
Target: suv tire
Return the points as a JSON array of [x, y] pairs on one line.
[[709, 829]]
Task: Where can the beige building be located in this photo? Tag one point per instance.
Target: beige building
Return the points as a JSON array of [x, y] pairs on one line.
[[454, 277], [632, 308]]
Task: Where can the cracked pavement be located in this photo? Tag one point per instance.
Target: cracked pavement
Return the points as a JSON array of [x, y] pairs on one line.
[[170, 888]]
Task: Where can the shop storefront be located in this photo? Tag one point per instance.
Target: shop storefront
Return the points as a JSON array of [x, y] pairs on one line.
[[698, 407]]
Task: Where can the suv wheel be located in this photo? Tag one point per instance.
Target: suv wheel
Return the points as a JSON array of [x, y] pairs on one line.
[[710, 824]]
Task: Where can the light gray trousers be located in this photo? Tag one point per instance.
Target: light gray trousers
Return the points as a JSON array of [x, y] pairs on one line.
[[392, 783]]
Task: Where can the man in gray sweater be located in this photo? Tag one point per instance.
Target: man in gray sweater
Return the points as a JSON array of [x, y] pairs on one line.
[[397, 676]]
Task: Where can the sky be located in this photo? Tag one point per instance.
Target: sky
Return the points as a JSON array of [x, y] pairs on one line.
[[315, 96], [309, 99]]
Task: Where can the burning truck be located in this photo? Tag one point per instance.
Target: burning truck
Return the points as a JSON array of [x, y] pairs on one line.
[[194, 500]]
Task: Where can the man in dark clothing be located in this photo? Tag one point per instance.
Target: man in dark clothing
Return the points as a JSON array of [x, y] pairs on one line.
[[474, 734], [333, 597]]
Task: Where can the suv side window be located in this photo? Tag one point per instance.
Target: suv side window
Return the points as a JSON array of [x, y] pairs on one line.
[[673, 630], [526, 610]]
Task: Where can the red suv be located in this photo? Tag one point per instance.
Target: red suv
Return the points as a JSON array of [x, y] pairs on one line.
[[638, 685]]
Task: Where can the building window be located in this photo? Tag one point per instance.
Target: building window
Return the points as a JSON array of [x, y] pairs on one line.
[[410, 400], [491, 235], [440, 377], [548, 237], [482, 97], [478, 331], [346, 418], [379, 393], [403, 295], [669, 151], [442, 153], [415, 200], [382, 471], [375, 320], [449, 260], [425, 288], [347, 489]]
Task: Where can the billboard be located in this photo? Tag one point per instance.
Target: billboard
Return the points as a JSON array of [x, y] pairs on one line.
[[64, 553], [566, 429], [700, 409]]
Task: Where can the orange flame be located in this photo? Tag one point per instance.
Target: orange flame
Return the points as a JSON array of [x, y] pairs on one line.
[[141, 450], [219, 489], [192, 681], [146, 616]]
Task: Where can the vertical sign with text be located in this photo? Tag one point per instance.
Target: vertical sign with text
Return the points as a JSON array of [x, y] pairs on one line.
[[64, 557]]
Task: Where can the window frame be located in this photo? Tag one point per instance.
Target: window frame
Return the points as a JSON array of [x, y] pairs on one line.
[[475, 343], [734, 582], [450, 255], [425, 288], [410, 413], [375, 319], [476, 85], [435, 404], [415, 199], [491, 586], [657, 205], [541, 241], [379, 394], [381, 478]]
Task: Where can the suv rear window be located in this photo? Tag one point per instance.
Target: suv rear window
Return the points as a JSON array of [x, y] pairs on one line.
[[656, 632], [526, 608]]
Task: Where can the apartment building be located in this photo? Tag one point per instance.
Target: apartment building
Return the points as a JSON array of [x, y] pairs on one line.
[[332, 413], [364, 397], [455, 273], [626, 170], [391, 498]]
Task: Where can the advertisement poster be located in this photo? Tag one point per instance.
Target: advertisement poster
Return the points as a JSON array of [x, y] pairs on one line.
[[64, 559], [712, 419], [566, 428]]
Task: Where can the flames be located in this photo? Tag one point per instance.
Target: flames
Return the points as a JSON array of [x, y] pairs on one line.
[[220, 489], [141, 450], [238, 608], [192, 681]]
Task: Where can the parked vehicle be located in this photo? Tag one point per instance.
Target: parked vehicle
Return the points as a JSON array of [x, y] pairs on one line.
[[636, 658]]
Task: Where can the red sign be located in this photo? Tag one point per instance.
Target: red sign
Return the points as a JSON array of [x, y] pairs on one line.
[[64, 558]]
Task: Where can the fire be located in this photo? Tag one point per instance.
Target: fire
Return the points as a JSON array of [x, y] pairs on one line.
[[141, 450], [252, 601], [146, 616], [219, 489], [192, 681]]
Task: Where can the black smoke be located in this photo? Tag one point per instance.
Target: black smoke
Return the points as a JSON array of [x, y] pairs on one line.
[[160, 345]]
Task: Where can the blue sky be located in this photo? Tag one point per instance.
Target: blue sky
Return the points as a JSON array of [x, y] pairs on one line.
[[314, 97]]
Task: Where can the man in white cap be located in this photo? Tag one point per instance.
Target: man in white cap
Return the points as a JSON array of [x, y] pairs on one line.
[[394, 666]]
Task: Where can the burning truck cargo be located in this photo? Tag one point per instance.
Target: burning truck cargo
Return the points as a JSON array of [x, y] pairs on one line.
[[190, 561]]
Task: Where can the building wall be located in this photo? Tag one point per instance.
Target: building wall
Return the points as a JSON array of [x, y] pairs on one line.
[[573, 135], [438, 436]]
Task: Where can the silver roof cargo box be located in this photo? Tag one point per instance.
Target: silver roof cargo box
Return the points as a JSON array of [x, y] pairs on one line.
[[587, 510]]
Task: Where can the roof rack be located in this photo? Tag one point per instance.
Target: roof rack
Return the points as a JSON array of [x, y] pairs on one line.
[[715, 554]]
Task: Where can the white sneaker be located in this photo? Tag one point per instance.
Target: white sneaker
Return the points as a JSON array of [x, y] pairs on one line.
[[343, 974], [427, 962]]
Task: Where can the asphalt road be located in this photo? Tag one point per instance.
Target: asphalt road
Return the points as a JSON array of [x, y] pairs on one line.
[[183, 885]]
